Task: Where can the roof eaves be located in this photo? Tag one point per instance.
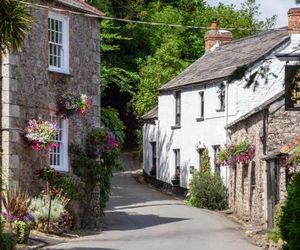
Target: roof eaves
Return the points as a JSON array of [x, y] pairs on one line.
[[88, 8], [192, 84]]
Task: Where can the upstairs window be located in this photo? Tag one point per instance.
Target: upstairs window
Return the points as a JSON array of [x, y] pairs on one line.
[[177, 108], [221, 93], [58, 37], [201, 104], [58, 156]]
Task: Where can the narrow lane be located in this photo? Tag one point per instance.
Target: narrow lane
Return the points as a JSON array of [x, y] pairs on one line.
[[141, 218]]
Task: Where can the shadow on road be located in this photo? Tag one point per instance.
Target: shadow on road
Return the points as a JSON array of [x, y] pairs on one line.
[[130, 221]]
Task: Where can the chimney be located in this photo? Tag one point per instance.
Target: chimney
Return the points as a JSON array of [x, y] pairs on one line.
[[294, 21], [214, 36]]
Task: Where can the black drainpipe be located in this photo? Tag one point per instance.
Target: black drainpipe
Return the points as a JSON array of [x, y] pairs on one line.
[[265, 121]]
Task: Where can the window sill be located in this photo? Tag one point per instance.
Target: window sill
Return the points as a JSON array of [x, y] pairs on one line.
[[176, 127], [220, 110], [200, 119], [54, 71]]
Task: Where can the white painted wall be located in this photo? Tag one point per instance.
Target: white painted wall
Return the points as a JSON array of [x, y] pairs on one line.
[[211, 131]]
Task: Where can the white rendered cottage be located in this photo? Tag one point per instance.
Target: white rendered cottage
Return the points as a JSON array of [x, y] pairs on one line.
[[229, 80]]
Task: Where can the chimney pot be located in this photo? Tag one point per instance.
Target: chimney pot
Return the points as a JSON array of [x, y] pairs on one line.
[[214, 36], [294, 21]]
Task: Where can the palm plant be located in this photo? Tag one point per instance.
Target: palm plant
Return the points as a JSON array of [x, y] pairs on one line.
[[16, 202], [15, 23]]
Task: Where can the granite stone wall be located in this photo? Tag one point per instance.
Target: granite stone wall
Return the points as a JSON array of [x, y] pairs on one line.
[[248, 187], [29, 91], [246, 196]]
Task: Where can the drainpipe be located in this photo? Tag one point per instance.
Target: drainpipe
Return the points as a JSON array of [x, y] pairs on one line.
[[264, 139]]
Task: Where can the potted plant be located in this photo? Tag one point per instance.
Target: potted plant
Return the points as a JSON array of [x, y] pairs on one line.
[[16, 204], [176, 178], [41, 134]]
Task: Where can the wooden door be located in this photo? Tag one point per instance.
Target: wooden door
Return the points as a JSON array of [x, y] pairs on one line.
[[273, 171]]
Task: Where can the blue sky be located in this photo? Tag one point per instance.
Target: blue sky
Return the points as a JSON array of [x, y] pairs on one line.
[[267, 8]]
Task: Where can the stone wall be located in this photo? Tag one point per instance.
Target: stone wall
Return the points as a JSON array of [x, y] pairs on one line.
[[248, 189], [283, 127], [29, 91], [246, 196]]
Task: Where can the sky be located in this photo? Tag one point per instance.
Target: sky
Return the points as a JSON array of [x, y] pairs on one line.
[[267, 8]]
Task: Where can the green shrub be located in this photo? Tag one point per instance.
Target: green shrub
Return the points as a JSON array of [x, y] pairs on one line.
[[275, 234], [60, 219], [111, 120], [7, 241], [40, 208], [206, 189], [290, 221]]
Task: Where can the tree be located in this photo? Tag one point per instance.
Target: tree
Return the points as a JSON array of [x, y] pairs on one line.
[[174, 49], [290, 220], [15, 22]]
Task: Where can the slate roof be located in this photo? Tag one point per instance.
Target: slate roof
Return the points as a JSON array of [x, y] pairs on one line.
[[81, 5], [222, 62], [257, 109], [152, 114]]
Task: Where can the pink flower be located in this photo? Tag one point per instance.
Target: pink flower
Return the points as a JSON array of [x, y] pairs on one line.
[[54, 145], [89, 102]]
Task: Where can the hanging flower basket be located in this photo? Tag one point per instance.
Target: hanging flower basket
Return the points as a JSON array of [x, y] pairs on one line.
[[41, 134], [69, 104], [101, 141], [242, 152]]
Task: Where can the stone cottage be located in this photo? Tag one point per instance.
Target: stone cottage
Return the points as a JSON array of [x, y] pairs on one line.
[[60, 54], [226, 83], [257, 187]]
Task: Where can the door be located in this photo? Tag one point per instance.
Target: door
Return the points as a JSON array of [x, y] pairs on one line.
[[273, 171]]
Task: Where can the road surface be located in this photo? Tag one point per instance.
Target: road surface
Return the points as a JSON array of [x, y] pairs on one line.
[[141, 218]]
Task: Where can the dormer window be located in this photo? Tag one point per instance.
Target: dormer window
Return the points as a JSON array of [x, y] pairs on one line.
[[221, 93], [58, 38]]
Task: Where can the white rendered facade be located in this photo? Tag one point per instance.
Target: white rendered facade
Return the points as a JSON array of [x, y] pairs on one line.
[[194, 134]]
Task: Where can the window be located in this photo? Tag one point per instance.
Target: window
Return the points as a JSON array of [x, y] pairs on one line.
[[58, 156], [177, 159], [154, 159], [58, 37], [177, 108], [217, 166], [221, 93], [201, 104]]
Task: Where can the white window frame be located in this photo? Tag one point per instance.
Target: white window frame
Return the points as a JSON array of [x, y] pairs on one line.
[[65, 43], [64, 156]]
